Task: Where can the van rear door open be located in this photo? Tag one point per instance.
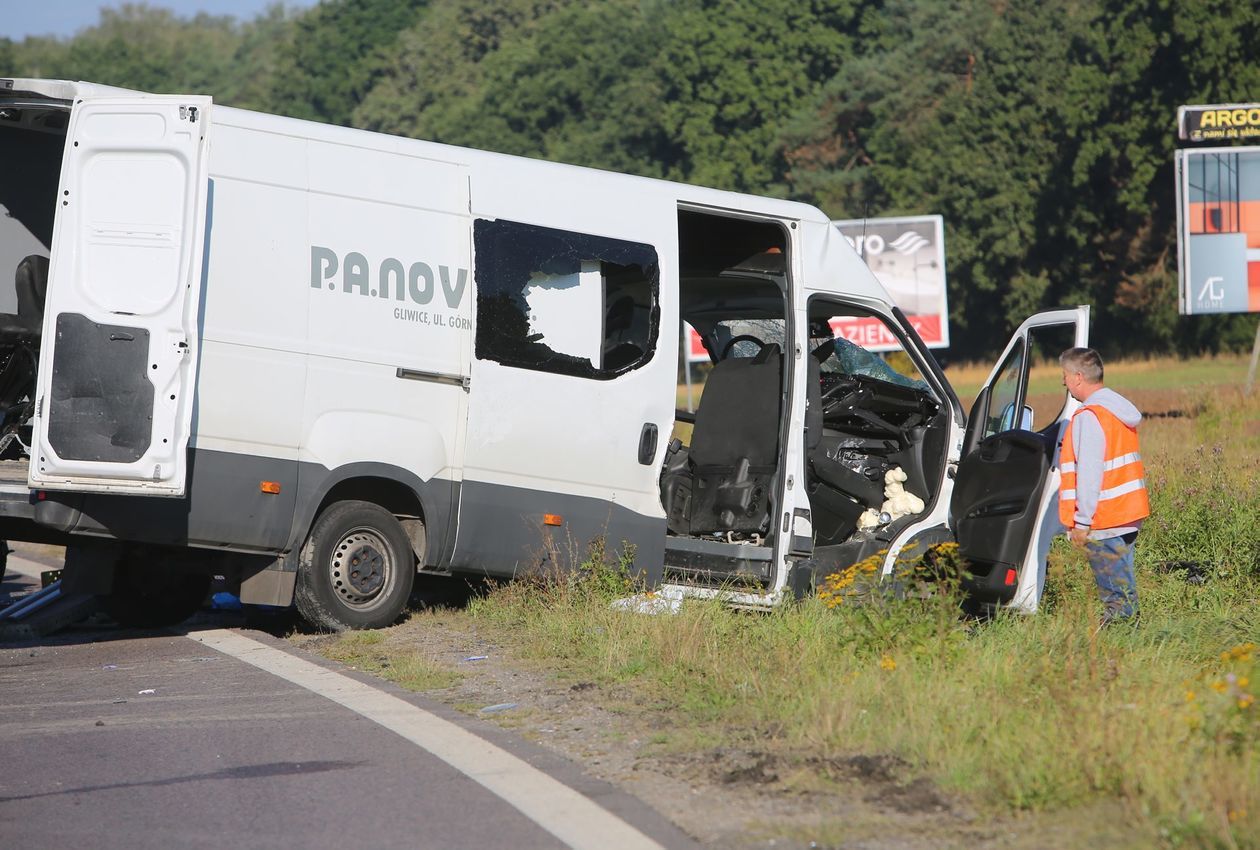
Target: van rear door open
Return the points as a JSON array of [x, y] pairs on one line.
[[115, 386]]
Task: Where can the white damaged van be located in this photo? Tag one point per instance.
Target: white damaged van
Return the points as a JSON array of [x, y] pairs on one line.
[[317, 361]]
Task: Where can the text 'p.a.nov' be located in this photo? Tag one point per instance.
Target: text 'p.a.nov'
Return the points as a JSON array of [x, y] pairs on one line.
[[416, 282]]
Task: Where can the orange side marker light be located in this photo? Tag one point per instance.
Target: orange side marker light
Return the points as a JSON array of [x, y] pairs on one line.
[[553, 519], [269, 487]]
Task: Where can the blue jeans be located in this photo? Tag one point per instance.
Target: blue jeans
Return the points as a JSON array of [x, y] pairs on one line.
[[1112, 561]]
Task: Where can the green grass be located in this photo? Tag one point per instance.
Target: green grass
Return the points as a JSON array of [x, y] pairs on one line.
[[1151, 732], [1156, 374], [1039, 714], [374, 652]]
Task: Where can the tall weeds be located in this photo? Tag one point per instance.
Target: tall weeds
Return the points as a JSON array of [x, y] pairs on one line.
[[1039, 712]]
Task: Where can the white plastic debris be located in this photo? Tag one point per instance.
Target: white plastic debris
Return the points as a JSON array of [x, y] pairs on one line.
[[666, 601], [503, 706], [145, 692]]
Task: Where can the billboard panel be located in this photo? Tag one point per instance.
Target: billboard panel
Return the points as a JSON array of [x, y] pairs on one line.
[[1218, 233], [907, 254], [1220, 123]]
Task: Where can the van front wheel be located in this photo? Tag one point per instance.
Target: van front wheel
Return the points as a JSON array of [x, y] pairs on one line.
[[356, 569]]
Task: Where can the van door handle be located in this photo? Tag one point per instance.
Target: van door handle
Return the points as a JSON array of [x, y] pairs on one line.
[[647, 443]]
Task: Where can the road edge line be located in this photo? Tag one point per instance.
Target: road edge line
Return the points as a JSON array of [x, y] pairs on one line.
[[573, 818]]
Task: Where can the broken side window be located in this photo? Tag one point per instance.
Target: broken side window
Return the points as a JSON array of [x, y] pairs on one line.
[[564, 302]]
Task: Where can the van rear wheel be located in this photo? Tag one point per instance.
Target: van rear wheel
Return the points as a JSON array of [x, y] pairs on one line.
[[356, 569]]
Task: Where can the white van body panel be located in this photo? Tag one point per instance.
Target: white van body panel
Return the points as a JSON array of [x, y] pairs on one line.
[[334, 338], [359, 206]]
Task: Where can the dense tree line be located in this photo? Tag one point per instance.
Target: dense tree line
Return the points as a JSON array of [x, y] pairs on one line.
[[1043, 130]]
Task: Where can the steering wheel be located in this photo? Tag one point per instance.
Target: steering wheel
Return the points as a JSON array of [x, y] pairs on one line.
[[726, 349], [842, 387], [839, 400]]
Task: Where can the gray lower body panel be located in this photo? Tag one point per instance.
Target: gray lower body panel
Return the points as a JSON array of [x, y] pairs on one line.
[[501, 528], [224, 508], [502, 532]]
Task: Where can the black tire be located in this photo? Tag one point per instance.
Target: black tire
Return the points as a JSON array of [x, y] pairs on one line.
[[356, 569], [149, 595]]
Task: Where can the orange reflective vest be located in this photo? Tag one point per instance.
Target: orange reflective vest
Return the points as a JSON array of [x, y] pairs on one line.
[[1122, 500]]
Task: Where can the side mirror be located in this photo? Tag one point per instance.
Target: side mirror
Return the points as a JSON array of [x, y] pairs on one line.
[[1026, 419], [1007, 422]]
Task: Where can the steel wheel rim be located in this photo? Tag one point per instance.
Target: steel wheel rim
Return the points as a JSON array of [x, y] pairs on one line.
[[361, 569]]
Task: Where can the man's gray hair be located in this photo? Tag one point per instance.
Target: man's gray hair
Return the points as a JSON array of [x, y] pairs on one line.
[[1083, 360]]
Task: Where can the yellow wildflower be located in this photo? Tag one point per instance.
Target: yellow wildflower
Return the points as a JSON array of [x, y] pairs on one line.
[[1220, 686], [1245, 701], [888, 663], [1190, 695], [1241, 652]]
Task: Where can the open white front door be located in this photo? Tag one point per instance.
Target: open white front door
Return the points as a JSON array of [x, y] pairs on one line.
[[1004, 508], [119, 351]]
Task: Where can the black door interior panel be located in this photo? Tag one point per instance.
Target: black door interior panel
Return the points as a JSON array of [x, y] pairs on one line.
[[995, 507]]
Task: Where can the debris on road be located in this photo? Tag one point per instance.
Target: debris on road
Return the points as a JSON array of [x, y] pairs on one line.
[[503, 706]]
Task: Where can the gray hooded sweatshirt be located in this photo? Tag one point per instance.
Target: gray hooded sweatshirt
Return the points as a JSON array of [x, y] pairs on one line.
[[1090, 446]]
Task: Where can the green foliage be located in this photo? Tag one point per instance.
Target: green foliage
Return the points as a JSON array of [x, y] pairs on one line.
[[1204, 508], [334, 54], [434, 78], [597, 577], [968, 114], [1042, 131], [569, 85], [151, 49], [732, 72], [690, 91]]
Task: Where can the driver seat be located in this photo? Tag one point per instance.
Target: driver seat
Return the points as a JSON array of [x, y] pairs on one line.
[[734, 448]]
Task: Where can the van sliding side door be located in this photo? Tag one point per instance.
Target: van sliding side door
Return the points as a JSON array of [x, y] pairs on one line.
[[119, 353]]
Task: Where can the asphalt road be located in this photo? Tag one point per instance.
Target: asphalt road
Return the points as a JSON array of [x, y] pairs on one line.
[[120, 739]]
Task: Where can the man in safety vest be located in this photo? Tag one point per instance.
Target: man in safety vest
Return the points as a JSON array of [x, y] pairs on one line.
[[1102, 495]]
